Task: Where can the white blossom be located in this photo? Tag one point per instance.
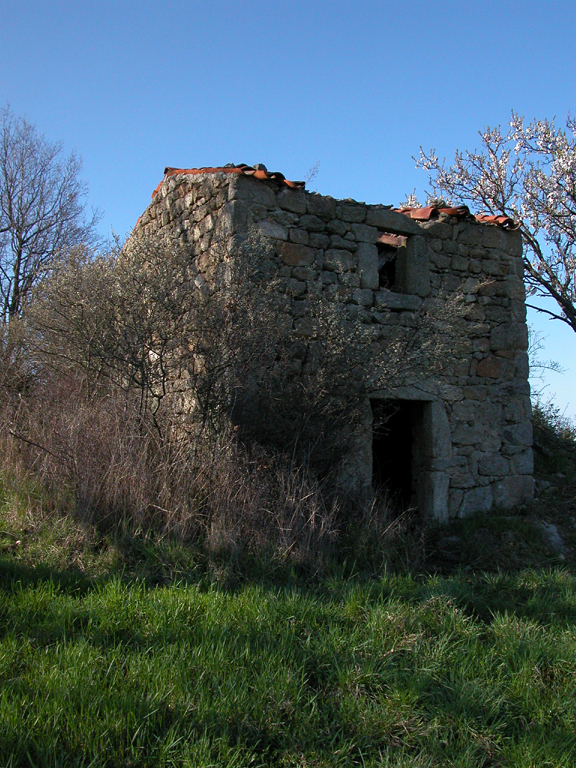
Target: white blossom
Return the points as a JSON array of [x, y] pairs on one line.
[[529, 174]]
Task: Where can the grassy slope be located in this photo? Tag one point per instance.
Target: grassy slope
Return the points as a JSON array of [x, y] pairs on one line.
[[458, 650]]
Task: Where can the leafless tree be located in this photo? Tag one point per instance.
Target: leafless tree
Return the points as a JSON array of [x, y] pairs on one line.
[[42, 204], [527, 172]]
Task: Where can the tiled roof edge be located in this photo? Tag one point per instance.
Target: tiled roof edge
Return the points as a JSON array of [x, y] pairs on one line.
[[460, 212], [258, 171]]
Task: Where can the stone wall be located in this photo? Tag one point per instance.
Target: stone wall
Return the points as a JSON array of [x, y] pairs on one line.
[[475, 446]]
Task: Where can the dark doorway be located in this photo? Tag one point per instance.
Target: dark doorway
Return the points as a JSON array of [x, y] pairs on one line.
[[395, 426]]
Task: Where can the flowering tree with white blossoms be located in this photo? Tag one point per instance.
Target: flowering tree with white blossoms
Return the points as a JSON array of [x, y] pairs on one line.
[[529, 174]]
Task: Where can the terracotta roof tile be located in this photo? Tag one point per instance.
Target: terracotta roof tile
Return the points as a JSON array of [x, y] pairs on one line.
[[504, 221], [259, 171], [430, 212], [459, 212]]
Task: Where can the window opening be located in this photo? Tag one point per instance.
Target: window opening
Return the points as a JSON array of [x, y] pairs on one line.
[[388, 245]]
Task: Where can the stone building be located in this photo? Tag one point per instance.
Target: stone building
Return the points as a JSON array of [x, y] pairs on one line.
[[460, 442]]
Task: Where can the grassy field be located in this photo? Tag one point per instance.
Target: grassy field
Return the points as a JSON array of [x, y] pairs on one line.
[[456, 648], [461, 670]]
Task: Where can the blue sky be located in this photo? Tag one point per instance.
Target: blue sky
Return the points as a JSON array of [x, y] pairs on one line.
[[134, 86]]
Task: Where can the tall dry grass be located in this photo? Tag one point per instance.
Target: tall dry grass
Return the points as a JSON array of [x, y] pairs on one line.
[[100, 459]]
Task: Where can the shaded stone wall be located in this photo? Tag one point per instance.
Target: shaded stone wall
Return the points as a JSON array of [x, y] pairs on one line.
[[475, 448]]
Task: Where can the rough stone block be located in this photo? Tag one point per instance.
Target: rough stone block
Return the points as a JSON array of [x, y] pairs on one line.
[[513, 244], [319, 240], [521, 365], [233, 219], [460, 264], [303, 327], [468, 434], [319, 205], [363, 233], [304, 273], [389, 299], [462, 478], [387, 220], [363, 296], [493, 465], [509, 336], [296, 287], [451, 282], [338, 227], [442, 464], [495, 268], [311, 223], [449, 246], [351, 212], [271, 229], [437, 229], [292, 200], [518, 310], [441, 260], [469, 234], [476, 500], [465, 410], [295, 255], [413, 267], [368, 266], [301, 308], [251, 190], [522, 463], [494, 237], [518, 409], [336, 241], [519, 434], [298, 236], [337, 260], [514, 287], [437, 441], [475, 393], [433, 493], [454, 501], [512, 491], [490, 368], [285, 218], [329, 278]]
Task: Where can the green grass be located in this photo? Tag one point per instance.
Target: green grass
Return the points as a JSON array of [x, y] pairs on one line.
[[454, 647], [401, 671]]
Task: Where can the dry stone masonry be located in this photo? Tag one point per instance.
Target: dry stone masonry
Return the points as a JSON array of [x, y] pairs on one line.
[[462, 441]]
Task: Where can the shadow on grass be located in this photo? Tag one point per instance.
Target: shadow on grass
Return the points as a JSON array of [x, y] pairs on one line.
[[57, 610], [14, 574]]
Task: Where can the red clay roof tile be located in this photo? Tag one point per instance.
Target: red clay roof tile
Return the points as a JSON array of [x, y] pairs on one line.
[[460, 212], [259, 171], [504, 221]]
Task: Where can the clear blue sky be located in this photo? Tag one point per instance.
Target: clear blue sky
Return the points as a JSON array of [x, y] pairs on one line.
[[134, 86]]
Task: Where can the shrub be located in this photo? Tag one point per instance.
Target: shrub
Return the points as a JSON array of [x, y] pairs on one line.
[[554, 440], [180, 403]]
